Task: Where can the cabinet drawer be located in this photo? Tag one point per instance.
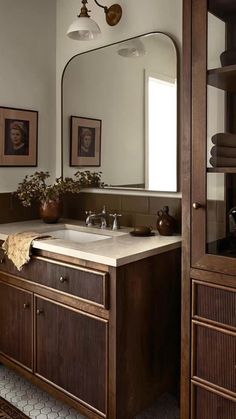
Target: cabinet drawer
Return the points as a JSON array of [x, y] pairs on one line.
[[217, 304], [87, 284], [208, 405], [214, 358]]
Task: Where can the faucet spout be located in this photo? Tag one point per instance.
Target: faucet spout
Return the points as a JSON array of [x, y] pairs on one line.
[[90, 219], [93, 217]]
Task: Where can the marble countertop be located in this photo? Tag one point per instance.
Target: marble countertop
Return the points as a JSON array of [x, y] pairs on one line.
[[118, 249]]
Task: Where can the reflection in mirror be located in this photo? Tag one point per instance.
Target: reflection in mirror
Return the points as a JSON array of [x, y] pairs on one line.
[[131, 87]]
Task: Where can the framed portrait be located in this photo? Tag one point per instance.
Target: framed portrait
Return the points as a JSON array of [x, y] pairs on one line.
[[18, 137], [85, 144]]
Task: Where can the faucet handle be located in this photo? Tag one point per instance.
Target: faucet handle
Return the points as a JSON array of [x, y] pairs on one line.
[[115, 215], [115, 224]]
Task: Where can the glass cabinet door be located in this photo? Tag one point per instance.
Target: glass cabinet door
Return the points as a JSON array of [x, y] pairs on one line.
[[214, 137]]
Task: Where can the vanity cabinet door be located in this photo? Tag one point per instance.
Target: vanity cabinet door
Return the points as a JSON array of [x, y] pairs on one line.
[[16, 324], [71, 352]]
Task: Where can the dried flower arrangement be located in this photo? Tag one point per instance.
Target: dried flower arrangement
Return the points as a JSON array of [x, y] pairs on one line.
[[34, 187]]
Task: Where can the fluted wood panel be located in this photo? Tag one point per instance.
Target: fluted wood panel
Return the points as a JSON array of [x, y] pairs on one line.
[[71, 352], [16, 324], [211, 406], [217, 304], [215, 357]]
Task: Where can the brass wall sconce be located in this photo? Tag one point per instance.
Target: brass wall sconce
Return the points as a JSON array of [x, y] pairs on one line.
[[85, 28]]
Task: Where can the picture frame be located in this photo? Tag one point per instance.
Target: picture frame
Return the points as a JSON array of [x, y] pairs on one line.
[[18, 137], [85, 142]]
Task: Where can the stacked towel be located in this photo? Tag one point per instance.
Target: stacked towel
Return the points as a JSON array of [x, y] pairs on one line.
[[224, 150]]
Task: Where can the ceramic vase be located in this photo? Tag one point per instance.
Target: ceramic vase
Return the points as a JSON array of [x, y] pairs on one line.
[[165, 222], [50, 211]]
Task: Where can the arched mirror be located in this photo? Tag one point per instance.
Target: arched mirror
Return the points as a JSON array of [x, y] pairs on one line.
[[119, 113]]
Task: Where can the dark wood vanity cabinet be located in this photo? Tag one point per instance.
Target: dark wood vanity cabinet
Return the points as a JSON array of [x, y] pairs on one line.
[[16, 324], [104, 339], [208, 388]]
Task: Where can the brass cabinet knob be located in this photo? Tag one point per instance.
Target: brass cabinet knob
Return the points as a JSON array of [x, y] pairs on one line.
[[26, 305], [38, 312], [197, 205], [62, 279]]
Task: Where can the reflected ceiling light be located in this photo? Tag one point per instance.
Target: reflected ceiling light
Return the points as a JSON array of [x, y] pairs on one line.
[[131, 49], [85, 28]]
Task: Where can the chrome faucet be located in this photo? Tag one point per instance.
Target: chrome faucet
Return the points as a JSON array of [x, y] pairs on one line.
[[115, 224], [104, 218], [92, 217], [89, 221]]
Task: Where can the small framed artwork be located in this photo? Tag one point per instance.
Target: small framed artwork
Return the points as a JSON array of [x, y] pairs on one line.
[[18, 137], [85, 146]]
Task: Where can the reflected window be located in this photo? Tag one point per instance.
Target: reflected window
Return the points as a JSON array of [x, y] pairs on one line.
[[161, 126]]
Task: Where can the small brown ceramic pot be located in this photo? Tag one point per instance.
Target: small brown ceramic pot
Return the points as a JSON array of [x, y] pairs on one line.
[[50, 211], [165, 222]]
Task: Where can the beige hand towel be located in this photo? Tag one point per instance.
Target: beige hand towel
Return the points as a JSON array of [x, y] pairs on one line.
[[17, 247]]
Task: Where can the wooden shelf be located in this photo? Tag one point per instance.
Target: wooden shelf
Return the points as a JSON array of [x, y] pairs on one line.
[[221, 169], [224, 9], [223, 78]]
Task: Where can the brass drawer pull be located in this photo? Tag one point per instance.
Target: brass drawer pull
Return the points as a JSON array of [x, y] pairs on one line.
[[197, 205], [26, 305], [62, 279], [39, 312]]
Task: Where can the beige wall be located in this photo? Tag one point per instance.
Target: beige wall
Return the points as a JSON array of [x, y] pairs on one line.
[[27, 74], [34, 50], [138, 17]]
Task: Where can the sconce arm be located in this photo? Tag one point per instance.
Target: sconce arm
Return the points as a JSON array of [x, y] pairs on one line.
[[113, 13], [104, 7]]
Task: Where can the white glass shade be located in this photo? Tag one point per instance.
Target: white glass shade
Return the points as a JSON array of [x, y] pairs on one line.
[[83, 28]]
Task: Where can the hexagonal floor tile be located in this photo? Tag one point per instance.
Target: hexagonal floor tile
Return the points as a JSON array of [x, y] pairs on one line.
[[37, 404]]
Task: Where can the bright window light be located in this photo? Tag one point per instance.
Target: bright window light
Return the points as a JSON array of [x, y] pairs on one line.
[[161, 133]]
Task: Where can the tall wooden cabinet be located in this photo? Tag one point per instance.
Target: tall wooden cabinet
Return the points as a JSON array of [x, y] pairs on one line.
[[209, 194]]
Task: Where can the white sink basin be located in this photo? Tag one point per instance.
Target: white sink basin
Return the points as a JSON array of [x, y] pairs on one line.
[[76, 236]]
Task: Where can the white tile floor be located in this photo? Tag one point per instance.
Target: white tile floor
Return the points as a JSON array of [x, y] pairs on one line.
[[36, 403], [28, 398]]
